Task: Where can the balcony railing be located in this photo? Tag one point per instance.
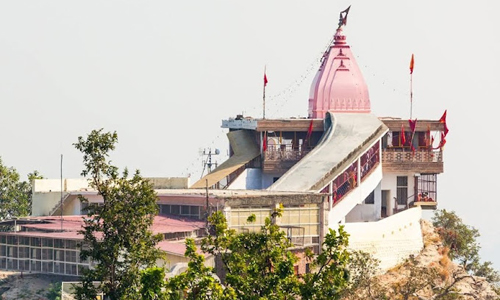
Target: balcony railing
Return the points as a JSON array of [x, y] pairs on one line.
[[400, 155], [369, 160], [284, 154]]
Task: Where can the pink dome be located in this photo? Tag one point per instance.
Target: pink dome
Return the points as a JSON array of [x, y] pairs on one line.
[[339, 85]]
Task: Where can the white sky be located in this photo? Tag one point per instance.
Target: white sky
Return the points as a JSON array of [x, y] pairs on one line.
[[163, 74]]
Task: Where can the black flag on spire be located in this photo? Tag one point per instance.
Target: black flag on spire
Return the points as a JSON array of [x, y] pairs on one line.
[[343, 17]]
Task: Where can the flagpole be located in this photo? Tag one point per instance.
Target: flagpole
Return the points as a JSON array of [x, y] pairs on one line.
[[264, 96], [412, 62], [411, 94]]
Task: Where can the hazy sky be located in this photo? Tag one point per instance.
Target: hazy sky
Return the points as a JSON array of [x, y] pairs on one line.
[[163, 74]]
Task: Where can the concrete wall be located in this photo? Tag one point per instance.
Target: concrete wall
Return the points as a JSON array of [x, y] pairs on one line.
[[169, 182], [76, 184], [249, 179], [362, 213], [72, 207], [390, 240], [341, 209], [54, 185], [43, 203], [79, 184], [268, 179], [367, 212]]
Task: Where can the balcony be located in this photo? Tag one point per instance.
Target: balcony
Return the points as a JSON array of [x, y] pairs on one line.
[[280, 159], [419, 161]]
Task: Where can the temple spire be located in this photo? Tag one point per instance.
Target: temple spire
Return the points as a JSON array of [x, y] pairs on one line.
[[338, 86]]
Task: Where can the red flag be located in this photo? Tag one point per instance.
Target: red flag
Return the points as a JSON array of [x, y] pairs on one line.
[[264, 142], [403, 138], [412, 63], [443, 141], [443, 120], [443, 117], [265, 78], [310, 129], [413, 124]]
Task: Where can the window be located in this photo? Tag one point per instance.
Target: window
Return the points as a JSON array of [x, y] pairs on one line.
[[175, 210], [47, 254], [12, 252], [396, 142], [308, 268], [195, 211], [24, 252], [47, 267], [402, 189], [71, 256], [71, 269], [58, 244], [165, 209], [58, 267], [36, 266], [24, 265], [84, 207], [296, 270], [59, 255], [36, 253], [47, 242], [24, 241], [71, 244], [35, 242], [12, 240], [371, 198]]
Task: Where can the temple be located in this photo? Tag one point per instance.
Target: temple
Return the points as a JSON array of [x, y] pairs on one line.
[[340, 165]]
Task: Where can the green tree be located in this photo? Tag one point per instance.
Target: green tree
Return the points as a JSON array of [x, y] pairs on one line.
[[15, 195], [54, 292], [198, 282], [153, 284], [260, 265], [461, 239], [332, 275], [363, 282], [116, 233]]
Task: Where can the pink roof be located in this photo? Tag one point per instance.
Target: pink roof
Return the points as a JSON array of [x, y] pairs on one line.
[[339, 85], [72, 224]]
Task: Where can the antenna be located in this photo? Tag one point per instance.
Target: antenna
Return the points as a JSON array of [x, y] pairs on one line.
[[207, 163]]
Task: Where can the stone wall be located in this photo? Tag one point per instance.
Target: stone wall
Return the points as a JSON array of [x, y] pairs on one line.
[[390, 240]]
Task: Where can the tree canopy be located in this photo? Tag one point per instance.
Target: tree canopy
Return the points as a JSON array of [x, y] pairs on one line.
[[117, 235], [260, 265], [15, 195], [464, 247]]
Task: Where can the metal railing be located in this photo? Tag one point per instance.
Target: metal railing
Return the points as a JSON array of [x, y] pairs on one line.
[[369, 160]]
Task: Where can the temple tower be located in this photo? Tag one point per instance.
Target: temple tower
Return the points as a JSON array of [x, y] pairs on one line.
[[338, 85]]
